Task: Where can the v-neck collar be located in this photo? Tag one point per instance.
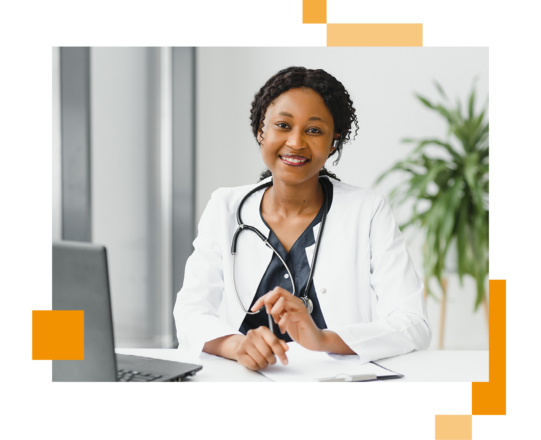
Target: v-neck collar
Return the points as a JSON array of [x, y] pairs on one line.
[[316, 220]]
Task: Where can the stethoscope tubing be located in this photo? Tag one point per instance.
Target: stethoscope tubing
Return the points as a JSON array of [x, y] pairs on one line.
[[283, 262], [242, 226]]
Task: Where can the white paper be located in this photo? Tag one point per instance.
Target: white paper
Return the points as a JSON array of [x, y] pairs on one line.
[[356, 359], [311, 366]]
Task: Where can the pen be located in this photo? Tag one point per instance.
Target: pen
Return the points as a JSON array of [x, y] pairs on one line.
[[271, 325]]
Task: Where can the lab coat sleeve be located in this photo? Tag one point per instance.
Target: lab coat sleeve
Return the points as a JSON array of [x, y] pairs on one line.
[[198, 302], [403, 325]]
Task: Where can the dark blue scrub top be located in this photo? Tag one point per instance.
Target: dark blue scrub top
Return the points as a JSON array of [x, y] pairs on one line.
[[297, 261]]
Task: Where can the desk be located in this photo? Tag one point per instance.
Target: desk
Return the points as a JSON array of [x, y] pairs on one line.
[[435, 382]]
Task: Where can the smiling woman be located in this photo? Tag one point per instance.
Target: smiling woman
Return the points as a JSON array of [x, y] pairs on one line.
[[299, 132], [300, 118], [324, 88]]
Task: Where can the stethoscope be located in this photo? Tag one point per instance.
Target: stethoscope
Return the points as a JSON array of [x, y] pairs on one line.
[[241, 227]]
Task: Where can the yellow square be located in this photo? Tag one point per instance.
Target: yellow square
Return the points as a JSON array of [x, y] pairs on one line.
[[454, 427], [314, 11]]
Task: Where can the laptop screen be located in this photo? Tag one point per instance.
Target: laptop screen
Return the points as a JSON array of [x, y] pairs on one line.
[[81, 282]]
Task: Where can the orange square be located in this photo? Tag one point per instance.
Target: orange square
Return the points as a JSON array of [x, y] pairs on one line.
[[314, 11], [58, 335]]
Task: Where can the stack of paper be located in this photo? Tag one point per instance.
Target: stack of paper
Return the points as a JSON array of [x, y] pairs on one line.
[[312, 366]]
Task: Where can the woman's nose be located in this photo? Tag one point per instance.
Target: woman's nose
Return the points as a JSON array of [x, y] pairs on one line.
[[296, 140]]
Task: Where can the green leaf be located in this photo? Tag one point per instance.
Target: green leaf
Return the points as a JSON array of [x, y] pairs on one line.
[[440, 89], [451, 215], [397, 166], [447, 114], [448, 147], [479, 297], [471, 104], [471, 164], [403, 166], [478, 120], [461, 242], [425, 101]]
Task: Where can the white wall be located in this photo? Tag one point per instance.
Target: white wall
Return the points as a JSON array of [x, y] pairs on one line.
[[381, 82]]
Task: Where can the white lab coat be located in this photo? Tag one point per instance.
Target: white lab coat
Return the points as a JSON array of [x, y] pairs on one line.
[[361, 248]]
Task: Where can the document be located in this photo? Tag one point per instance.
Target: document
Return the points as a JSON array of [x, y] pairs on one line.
[[312, 366]]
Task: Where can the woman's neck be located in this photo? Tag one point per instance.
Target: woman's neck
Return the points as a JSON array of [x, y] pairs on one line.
[[286, 200]]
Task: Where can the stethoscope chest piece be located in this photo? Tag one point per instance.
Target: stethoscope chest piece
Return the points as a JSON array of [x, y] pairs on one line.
[[308, 304]]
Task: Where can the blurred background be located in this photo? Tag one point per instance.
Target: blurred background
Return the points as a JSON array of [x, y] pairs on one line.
[[143, 136]]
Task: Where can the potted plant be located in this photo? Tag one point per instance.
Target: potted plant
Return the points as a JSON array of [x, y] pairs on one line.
[[450, 194]]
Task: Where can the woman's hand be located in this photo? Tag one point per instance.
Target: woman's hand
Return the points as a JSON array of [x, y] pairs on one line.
[[259, 348], [292, 317]]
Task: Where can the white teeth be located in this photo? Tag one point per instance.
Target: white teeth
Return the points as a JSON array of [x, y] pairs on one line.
[[292, 160]]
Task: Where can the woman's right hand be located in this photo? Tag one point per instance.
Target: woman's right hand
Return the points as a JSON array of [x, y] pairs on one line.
[[259, 348]]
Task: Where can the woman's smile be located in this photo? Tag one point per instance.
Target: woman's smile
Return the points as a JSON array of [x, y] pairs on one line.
[[293, 160]]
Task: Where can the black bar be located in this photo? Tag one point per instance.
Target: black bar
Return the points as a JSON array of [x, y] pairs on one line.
[[75, 135], [183, 62]]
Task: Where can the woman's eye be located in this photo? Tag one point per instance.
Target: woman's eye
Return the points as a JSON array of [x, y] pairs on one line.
[[314, 130], [282, 125]]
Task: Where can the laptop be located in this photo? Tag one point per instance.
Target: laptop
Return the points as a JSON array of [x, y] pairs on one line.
[[81, 282]]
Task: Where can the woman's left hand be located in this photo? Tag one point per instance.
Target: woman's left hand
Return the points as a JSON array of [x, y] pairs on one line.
[[292, 317]]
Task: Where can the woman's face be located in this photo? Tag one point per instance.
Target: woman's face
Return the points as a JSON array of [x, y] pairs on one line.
[[297, 136]]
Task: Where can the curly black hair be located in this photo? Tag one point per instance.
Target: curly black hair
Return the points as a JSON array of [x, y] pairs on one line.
[[332, 91]]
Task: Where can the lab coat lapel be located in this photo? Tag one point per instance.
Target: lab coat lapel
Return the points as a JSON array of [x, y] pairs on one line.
[[310, 249], [253, 257], [336, 254], [325, 279], [334, 213], [322, 277]]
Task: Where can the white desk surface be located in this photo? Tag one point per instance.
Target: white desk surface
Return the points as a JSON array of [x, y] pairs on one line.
[[435, 382]]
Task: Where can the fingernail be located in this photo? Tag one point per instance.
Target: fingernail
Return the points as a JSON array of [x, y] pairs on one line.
[[285, 362]]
